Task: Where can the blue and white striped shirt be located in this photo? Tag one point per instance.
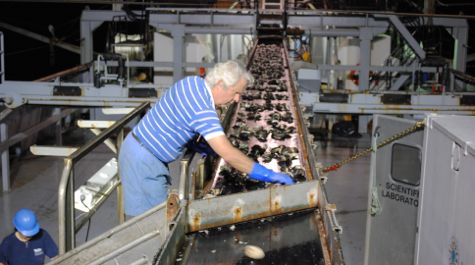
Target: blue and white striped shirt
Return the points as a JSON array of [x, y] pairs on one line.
[[185, 109]]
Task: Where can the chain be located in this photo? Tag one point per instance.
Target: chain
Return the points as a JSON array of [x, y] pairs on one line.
[[417, 126]]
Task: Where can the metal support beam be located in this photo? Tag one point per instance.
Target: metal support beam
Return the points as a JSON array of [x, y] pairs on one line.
[[43, 150], [366, 35], [178, 34], [460, 48], [399, 82], [319, 32], [377, 68], [158, 64], [215, 48], [87, 28], [17, 93], [447, 22], [208, 19], [372, 104], [96, 124], [311, 19], [406, 35], [328, 55], [188, 21], [101, 15]]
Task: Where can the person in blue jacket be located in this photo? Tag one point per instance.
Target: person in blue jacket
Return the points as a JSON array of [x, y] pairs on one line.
[[29, 244], [186, 109]]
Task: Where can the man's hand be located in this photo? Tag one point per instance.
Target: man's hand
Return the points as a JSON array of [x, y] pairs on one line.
[[262, 173]]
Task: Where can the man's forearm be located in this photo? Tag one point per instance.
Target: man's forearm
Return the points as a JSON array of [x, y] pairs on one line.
[[239, 161]]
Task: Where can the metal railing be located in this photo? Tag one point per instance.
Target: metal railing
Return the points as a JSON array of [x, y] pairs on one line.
[[2, 59], [66, 221]]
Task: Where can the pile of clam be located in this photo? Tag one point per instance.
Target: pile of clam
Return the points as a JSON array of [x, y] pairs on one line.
[[264, 126]]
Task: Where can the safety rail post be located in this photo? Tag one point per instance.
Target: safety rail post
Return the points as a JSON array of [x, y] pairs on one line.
[[183, 188], [119, 191], [66, 220], [2, 59], [5, 158], [66, 208]]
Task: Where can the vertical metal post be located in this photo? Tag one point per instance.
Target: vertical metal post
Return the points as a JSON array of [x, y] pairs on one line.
[[451, 82], [216, 48], [119, 191], [365, 57], [178, 34], [66, 236], [5, 159], [71, 235], [86, 48], [2, 59], [183, 186], [372, 188], [87, 28], [429, 6], [201, 174], [197, 179], [460, 48], [59, 127], [229, 45], [328, 56]]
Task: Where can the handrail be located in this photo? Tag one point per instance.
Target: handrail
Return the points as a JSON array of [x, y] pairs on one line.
[[66, 220], [2, 59], [80, 153], [72, 70]]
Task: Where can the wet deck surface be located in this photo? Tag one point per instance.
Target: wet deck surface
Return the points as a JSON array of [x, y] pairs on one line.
[[287, 239]]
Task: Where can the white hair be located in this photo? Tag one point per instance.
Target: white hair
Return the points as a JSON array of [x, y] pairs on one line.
[[230, 72]]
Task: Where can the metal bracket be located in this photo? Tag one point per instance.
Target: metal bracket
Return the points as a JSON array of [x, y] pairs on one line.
[[375, 203]]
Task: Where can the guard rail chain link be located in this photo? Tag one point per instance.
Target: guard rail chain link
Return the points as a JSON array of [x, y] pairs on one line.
[[417, 126]]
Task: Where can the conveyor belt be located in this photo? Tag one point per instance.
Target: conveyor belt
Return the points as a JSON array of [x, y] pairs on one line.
[[265, 125], [287, 239]]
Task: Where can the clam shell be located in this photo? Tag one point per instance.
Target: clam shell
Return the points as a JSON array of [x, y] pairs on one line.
[[254, 252]]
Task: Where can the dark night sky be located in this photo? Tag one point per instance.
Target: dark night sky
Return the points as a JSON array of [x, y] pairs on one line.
[[28, 59]]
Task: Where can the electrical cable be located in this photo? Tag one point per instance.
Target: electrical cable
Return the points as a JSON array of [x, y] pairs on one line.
[[132, 15], [82, 198]]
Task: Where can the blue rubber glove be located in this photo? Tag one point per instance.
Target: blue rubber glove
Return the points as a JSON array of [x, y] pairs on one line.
[[261, 173], [202, 147]]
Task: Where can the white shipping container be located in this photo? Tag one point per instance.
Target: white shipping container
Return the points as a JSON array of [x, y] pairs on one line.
[[447, 212]]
